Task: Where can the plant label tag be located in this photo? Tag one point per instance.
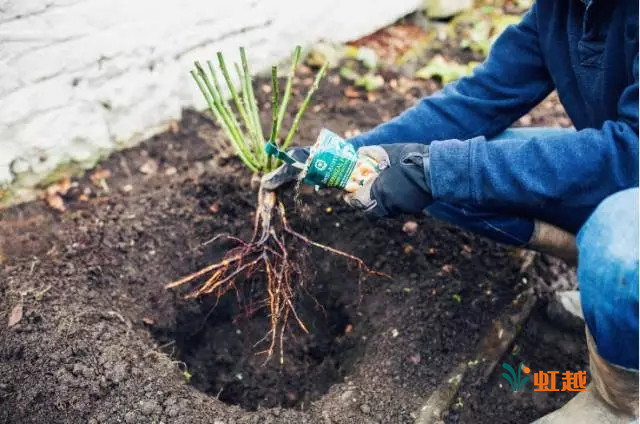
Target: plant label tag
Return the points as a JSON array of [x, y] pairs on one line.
[[332, 161]]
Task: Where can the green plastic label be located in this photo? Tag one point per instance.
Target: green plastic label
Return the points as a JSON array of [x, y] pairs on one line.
[[332, 161]]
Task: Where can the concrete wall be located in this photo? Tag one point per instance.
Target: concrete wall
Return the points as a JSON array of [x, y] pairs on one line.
[[80, 77]]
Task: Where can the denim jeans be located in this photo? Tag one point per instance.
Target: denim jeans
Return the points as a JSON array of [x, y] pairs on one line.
[[511, 226], [608, 277]]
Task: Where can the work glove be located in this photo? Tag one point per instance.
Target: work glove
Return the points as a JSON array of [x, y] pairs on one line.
[[402, 186], [285, 173]]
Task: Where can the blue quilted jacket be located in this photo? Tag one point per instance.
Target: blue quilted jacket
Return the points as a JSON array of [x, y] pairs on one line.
[[588, 52]]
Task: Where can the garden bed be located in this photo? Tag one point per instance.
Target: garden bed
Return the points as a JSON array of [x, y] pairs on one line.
[[100, 340]]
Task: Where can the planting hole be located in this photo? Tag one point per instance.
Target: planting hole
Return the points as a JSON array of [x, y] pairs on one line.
[[218, 345]]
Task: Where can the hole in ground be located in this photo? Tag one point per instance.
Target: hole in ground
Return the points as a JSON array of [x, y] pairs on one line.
[[218, 345]]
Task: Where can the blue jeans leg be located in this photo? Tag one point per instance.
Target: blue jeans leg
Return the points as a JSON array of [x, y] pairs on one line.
[[496, 225], [608, 277], [511, 226]]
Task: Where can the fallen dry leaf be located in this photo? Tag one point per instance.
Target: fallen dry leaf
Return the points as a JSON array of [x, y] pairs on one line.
[[16, 315], [408, 248], [99, 175], [348, 329], [351, 93], [55, 201], [61, 187], [148, 321], [444, 69], [392, 42]]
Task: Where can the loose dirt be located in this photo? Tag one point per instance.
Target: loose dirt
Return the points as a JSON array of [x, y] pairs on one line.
[[101, 341]]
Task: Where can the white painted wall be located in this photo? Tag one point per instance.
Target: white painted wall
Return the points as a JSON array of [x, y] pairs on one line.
[[82, 76]]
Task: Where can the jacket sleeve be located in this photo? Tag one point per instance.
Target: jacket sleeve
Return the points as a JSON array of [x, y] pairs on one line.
[[578, 169], [511, 81]]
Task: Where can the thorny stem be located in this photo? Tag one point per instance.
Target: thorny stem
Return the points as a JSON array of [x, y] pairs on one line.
[[216, 83], [305, 104], [245, 83], [243, 91], [275, 92], [248, 139], [224, 104], [253, 104], [287, 89], [212, 96], [234, 95]]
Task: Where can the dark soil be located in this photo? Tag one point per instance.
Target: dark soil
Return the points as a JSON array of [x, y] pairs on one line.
[[101, 341]]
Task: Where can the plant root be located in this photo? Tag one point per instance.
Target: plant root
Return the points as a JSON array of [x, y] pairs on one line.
[[266, 253]]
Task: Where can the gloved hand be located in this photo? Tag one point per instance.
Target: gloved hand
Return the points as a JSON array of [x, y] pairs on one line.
[[402, 186], [285, 173]]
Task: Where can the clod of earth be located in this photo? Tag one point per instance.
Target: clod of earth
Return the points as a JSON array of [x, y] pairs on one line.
[[16, 315]]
